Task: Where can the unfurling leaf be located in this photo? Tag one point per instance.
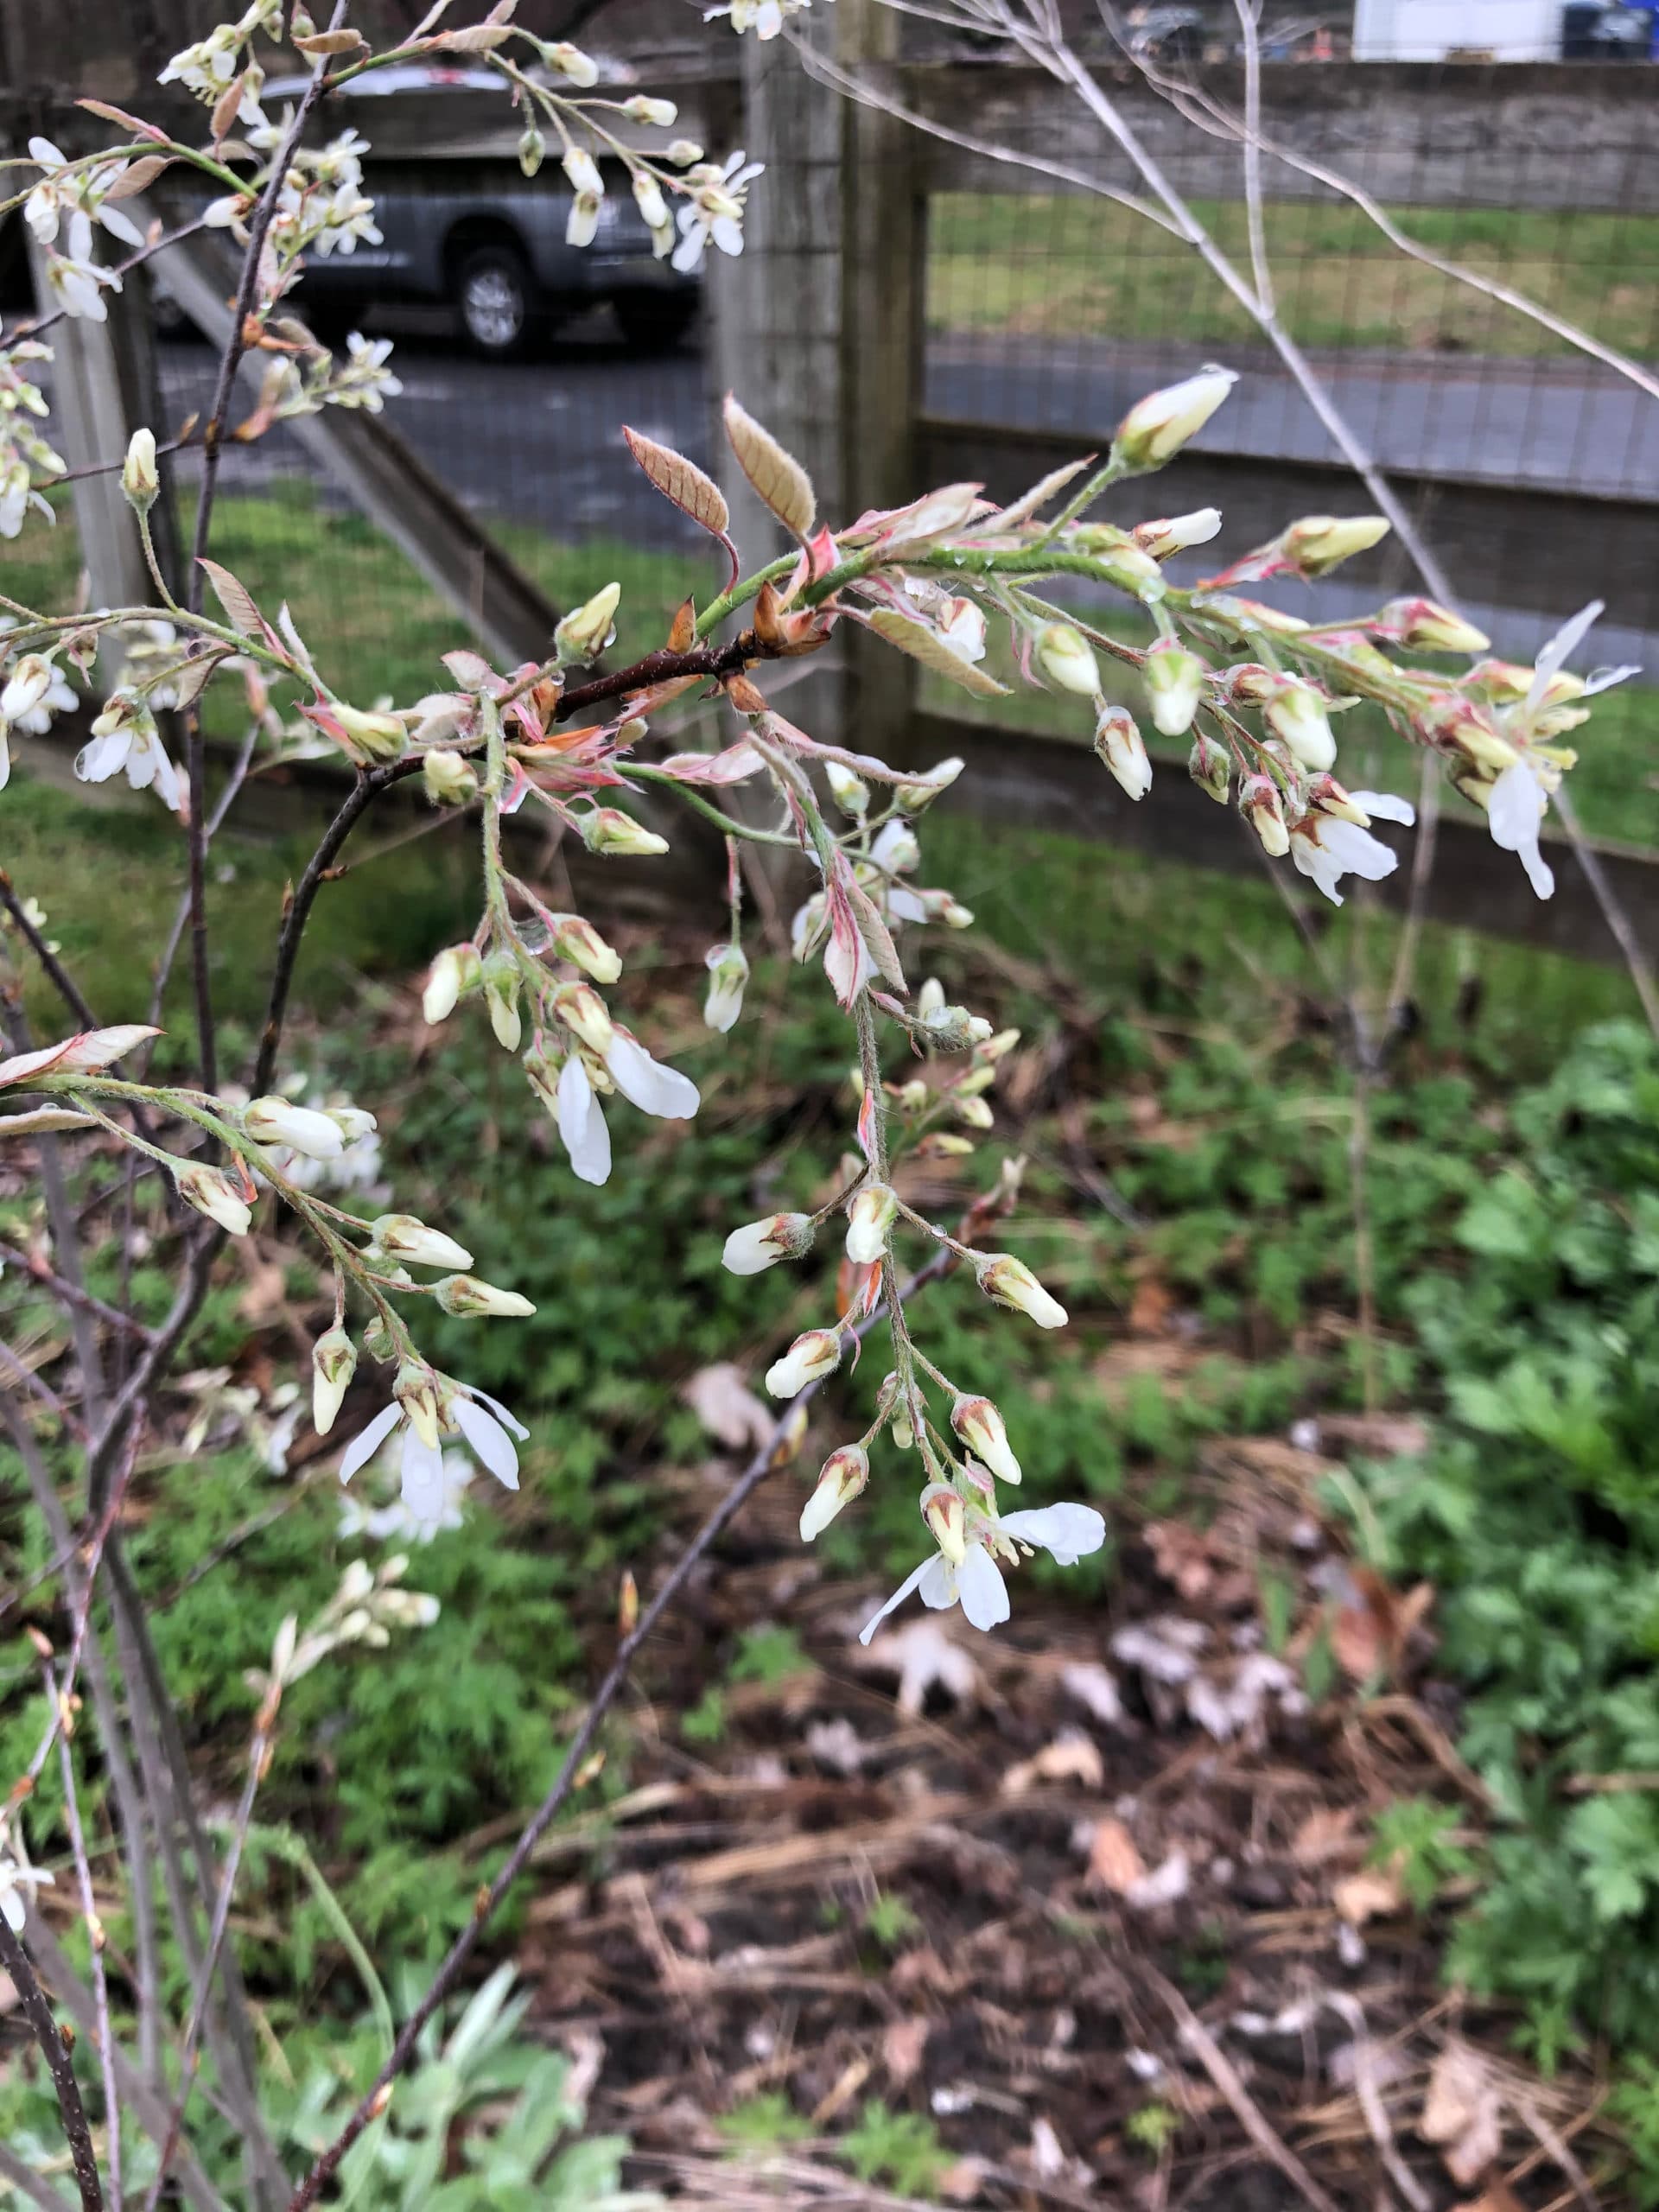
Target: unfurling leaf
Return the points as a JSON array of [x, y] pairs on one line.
[[1040, 494], [322, 46], [136, 174], [777, 476], [927, 647], [42, 1121], [474, 38], [683, 630], [225, 107], [89, 1053], [236, 600], [681, 481], [190, 681], [136, 123]]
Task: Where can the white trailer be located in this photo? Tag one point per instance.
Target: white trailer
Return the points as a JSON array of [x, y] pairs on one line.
[[1429, 30]]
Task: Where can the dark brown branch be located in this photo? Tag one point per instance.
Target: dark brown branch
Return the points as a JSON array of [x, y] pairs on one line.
[[57, 974], [769, 1456], [663, 666], [69, 1293], [55, 2051]]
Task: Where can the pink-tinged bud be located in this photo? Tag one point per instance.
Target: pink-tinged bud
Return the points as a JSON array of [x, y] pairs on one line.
[[1260, 804], [371, 738], [400, 1236], [1430, 627], [1249, 684], [869, 1217], [501, 1000], [813, 1356], [214, 1194], [1209, 765], [947, 1520], [760, 1244], [978, 1080], [449, 778], [997, 1047], [979, 1425], [845, 1473], [1066, 659], [1326, 796], [1318, 543], [466, 1297], [457, 968], [1122, 748], [1174, 687], [1176, 533], [334, 1363], [276, 1121], [1158, 426], [608, 830], [581, 944], [585, 1014], [1296, 714], [1008, 1282], [728, 972], [416, 1391], [1457, 725], [1506, 683], [587, 629]]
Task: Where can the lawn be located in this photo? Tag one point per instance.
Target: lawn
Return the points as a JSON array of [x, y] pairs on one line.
[[1062, 265]]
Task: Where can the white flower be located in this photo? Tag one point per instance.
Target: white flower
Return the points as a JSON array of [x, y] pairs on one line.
[[868, 1219], [209, 66], [1121, 745], [760, 1244], [1515, 810], [1008, 1282], [276, 1121], [401, 1523], [124, 737], [35, 691], [813, 1355], [1162, 423], [1175, 533], [646, 1082], [486, 1426], [714, 210], [728, 972], [1066, 659], [583, 172], [581, 1123], [75, 284], [213, 1193], [895, 851], [1065, 1532], [1327, 848]]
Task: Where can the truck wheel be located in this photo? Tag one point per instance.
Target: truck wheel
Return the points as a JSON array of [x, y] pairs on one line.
[[653, 322], [492, 298]]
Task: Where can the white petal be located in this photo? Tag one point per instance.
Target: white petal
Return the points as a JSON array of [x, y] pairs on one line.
[[581, 1123], [489, 1439], [120, 225], [911, 1582], [983, 1592], [937, 1588], [651, 1087], [99, 761], [727, 234], [1383, 806], [1515, 808], [422, 1482], [363, 1447], [1067, 1531], [513, 1427], [1554, 654], [1540, 874], [11, 1904]]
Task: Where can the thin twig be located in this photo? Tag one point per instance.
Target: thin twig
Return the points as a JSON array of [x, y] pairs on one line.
[[774, 1454], [71, 2111], [68, 1293], [103, 2034], [25, 2178]]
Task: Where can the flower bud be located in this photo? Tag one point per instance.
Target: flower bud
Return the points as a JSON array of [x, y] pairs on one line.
[[608, 829], [970, 1109], [947, 1520], [334, 1363], [979, 1078], [992, 1049], [501, 982], [1133, 571], [577, 67], [1066, 660], [1161, 424], [457, 968], [582, 224], [353, 1122], [465, 1297], [212, 1192], [416, 1391], [728, 971], [911, 1097], [916, 793], [760, 1244], [641, 108], [869, 1217], [1326, 796], [139, 479], [449, 778], [1175, 533], [582, 1011], [979, 1425], [27, 685], [815, 1354], [1210, 767], [929, 1000], [944, 1144], [1008, 1282], [275, 1121], [1259, 802], [376, 1338], [1318, 543], [370, 739], [683, 153], [648, 199], [400, 1236], [850, 792], [845, 1473], [1430, 627], [581, 944], [532, 150], [588, 628], [583, 172], [1174, 687], [1122, 748], [1296, 713], [953, 1029]]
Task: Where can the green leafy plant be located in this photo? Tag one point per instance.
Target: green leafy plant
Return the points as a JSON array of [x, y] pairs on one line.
[[1417, 1838], [890, 1921], [899, 2149]]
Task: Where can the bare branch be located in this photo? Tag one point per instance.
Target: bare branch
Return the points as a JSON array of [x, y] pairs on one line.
[[71, 2111]]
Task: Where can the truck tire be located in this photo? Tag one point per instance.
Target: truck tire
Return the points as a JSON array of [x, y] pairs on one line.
[[653, 322], [494, 300]]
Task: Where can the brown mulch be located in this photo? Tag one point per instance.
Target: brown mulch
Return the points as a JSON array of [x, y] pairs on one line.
[[1092, 1895]]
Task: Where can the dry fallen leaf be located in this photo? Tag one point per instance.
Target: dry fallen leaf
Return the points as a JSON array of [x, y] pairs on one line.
[[923, 1655], [1095, 1686], [723, 1400], [1361, 1896], [902, 2045], [1461, 2113], [1181, 1556], [1326, 1834], [267, 1290], [1151, 1306], [1071, 1758], [1369, 1637], [1113, 1859]]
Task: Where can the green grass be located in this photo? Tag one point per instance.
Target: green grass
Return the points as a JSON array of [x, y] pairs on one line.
[[1053, 265]]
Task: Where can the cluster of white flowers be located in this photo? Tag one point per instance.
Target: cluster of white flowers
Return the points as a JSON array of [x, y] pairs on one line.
[[33, 690], [367, 1606], [26, 459]]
